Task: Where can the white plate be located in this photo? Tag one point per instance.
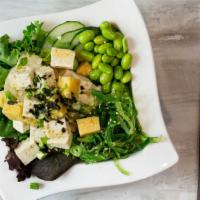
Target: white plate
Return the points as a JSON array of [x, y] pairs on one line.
[[153, 159]]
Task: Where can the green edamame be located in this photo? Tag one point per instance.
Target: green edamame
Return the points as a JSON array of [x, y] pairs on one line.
[[117, 87], [102, 48], [118, 44], [105, 68], [126, 77], [96, 48], [118, 72], [105, 25], [95, 74], [120, 55], [126, 61], [79, 47], [89, 46], [96, 61], [124, 45], [111, 51], [105, 78], [107, 59], [84, 55], [119, 34], [109, 34], [99, 39], [115, 62], [106, 88], [86, 36]]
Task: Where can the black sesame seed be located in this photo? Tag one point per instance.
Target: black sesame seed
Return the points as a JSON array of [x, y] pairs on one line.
[[63, 130], [60, 122], [82, 88], [11, 102]]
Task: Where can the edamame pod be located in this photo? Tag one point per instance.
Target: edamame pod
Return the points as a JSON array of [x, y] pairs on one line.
[[105, 25], [100, 40], [96, 61], [115, 62], [107, 59], [109, 34], [95, 74], [96, 48], [89, 46], [126, 61], [102, 48], [118, 44], [125, 45], [105, 68], [126, 77], [86, 36], [105, 78], [110, 51], [118, 72], [79, 47], [120, 55]]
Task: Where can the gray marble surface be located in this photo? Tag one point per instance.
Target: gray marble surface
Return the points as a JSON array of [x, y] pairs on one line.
[[174, 27]]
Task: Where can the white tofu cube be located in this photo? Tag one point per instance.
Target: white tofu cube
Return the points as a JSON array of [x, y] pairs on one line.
[[63, 142], [47, 74], [59, 134], [27, 151], [62, 58], [27, 106], [57, 128], [37, 133], [21, 79], [20, 126]]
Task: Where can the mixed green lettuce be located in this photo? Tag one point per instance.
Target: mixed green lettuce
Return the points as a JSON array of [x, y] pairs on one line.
[[10, 51]]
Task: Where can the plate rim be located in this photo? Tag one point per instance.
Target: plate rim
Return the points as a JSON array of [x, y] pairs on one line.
[[176, 157]]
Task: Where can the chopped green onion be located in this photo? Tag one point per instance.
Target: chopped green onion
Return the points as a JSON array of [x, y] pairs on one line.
[[41, 155], [66, 152], [9, 96], [22, 62], [158, 139], [34, 186], [119, 167], [43, 142], [40, 123]]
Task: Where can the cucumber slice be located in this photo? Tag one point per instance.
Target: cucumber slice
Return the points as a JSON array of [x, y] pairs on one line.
[[65, 40], [75, 40], [57, 31]]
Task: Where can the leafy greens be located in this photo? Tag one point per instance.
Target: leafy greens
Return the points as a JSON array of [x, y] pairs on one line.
[[6, 127]]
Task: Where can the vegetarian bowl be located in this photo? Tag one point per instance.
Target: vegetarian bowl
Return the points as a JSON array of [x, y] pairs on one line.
[[67, 99]]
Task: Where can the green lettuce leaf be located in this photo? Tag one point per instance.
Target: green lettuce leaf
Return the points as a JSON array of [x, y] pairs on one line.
[[3, 74], [8, 54], [33, 38], [6, 127]]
